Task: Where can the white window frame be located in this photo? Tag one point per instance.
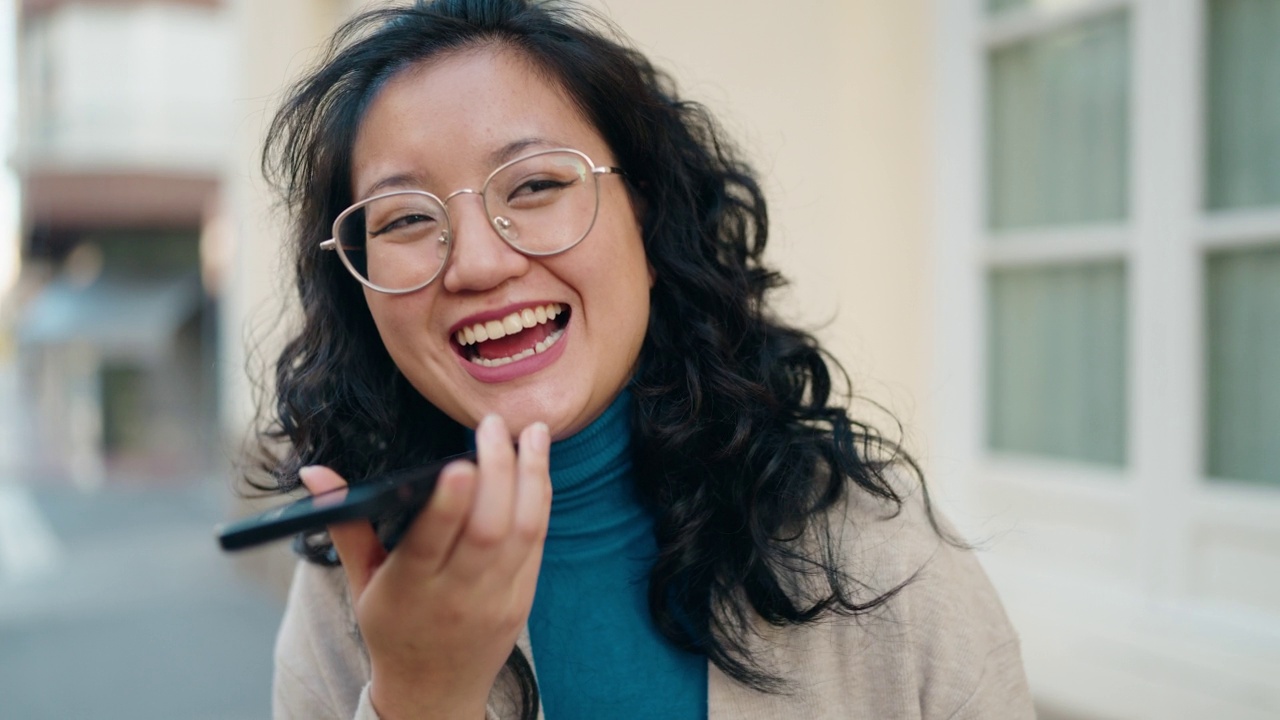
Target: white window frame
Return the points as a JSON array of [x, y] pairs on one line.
[[1105, 569]]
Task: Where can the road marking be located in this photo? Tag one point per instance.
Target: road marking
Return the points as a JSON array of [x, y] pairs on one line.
[[28, 547]]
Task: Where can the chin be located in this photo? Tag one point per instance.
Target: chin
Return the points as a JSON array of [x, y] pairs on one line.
[[520, 409]]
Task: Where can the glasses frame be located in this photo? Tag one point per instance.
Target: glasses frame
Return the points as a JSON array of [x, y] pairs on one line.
[[494, 220]]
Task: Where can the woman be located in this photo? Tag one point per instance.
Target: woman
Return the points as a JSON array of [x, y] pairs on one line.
[[508, 222]]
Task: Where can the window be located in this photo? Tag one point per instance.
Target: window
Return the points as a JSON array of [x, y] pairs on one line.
[[1109, 339], [1057, 148]]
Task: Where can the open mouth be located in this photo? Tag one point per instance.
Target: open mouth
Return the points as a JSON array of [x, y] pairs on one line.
[[518, 335]]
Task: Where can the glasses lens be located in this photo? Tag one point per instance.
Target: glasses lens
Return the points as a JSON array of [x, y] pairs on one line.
[[544, 203], [397, 241]]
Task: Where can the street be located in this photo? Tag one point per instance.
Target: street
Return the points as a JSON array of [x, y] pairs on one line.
[[117, 603]]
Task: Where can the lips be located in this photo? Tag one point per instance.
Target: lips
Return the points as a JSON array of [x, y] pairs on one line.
[[519, 334]]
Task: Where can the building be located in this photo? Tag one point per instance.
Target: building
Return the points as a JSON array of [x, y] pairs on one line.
[[124, 125]]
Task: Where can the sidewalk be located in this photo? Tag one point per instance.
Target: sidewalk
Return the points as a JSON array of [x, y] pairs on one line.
[[118, 604]]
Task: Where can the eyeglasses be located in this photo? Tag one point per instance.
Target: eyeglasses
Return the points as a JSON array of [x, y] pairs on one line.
[[540, 204]]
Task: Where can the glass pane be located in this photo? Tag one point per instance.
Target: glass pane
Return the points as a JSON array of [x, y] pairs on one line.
[[1244, 104], [1056, 366], [1058, 127], [1243, 362], [995, 7]]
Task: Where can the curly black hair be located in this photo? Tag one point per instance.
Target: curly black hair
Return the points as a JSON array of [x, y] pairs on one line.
[[742, 442]]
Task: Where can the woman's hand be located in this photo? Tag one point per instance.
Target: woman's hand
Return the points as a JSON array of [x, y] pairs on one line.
[[441, 613]]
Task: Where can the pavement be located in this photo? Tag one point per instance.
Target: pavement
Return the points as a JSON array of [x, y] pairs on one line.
[[117, 603]]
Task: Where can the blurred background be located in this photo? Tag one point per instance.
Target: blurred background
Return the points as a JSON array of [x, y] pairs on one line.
[[1045, 234]]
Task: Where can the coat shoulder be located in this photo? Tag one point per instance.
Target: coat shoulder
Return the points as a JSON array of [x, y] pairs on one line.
[[320, 664], [932, 632]]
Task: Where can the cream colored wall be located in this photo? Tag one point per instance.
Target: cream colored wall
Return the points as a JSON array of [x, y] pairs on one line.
[[831, 100], [277, 40]]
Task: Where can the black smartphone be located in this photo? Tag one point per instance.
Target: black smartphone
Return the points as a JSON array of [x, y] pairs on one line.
[[392, 498]]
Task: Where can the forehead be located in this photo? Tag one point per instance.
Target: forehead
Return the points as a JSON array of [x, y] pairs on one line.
[[447, 119]]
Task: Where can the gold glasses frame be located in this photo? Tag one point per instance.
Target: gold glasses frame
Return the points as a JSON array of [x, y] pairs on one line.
[[497, 222]]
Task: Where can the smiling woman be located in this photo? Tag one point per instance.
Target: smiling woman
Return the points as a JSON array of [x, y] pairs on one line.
[[511, 233]]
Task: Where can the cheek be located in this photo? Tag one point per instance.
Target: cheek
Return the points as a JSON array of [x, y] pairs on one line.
[[634, 299], [401, 323]]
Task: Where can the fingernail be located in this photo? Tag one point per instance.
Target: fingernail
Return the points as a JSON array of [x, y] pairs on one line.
[[540, 436]]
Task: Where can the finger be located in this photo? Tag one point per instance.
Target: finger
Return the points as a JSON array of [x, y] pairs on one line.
[[533, 484], [533, 502], [433, 535], [525, 574], [358, 546], [495, 497]]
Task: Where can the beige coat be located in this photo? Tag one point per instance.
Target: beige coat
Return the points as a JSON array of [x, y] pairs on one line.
[[942, 649]]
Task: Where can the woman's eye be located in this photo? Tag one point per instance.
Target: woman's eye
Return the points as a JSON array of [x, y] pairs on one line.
[[405, 222], [534, 187]]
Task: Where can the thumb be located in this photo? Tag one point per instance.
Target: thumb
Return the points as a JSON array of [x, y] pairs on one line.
[[357, 544]]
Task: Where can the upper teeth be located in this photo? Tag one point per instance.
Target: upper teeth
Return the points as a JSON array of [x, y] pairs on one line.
[[513, 323]]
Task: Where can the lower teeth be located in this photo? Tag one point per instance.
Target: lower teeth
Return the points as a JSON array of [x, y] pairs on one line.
[[541, 347]]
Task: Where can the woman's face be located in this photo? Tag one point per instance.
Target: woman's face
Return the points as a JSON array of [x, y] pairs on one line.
[[445, 125]]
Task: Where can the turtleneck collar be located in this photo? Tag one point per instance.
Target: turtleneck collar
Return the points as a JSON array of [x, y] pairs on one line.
[[593, 502], [600, 449]]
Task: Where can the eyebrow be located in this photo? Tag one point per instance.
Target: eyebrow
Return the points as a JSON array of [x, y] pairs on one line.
[[517, 147], [415, 181]]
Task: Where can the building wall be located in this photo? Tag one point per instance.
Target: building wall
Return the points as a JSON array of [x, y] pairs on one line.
[[831, 102], [277, 41]]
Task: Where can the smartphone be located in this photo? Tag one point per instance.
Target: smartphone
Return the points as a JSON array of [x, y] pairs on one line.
[[396, 497]]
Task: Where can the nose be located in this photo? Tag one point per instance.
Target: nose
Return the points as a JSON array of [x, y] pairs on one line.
[[480, 260]]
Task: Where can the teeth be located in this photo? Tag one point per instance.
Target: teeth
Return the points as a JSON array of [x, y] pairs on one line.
[[509, 325], [536, 349]]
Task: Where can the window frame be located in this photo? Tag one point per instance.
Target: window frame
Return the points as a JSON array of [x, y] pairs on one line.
[[1143, 535]]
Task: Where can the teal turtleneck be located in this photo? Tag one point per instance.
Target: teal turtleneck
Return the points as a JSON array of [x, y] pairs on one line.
[[596, 650]]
